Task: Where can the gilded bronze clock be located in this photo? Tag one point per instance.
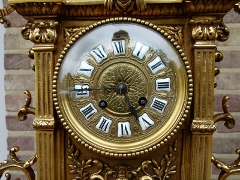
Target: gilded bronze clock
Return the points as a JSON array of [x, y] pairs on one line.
[[123, 87]]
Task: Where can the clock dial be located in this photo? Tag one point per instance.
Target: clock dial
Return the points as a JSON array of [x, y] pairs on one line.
[[128, 91]]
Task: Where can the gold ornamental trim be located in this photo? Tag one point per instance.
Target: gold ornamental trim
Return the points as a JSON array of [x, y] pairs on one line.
[[16, 164], [119, 8], [162, 170], [166, 138]]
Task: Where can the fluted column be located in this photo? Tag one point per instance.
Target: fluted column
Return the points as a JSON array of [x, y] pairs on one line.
[[204, 33], [43, 34]]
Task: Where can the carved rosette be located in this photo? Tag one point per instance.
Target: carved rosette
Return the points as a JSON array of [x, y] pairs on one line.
[[42, 32]]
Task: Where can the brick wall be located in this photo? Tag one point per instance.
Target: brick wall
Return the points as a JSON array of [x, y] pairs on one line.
[[226, 141], [20, 77]]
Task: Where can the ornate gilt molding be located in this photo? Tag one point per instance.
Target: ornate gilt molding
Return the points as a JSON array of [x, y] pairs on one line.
[[69, 33], [176, 32], [162, 170], [204, 31], [43, 124], [122, 7], [26, 109], [16, 164], [203, 127], [3, 12], [42, 32]]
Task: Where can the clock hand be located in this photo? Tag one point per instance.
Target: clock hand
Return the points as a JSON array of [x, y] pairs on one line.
[[90, 89], [132, 109]]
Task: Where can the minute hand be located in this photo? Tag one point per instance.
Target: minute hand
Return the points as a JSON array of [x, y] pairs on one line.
[[132, 109]]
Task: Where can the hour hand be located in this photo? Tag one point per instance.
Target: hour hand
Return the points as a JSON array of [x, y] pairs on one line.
[[132, 109]]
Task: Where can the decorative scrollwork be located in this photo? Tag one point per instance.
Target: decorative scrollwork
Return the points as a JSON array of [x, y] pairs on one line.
[[162, 170], [3, 12], [26, 109], [222, 32], [227, 170], [176, 32], [16, 164], [225, 116], [43, 32], [204, 29], [125, 5]]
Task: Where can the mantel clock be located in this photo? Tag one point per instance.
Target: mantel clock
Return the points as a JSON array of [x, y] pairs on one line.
[[122, 87]]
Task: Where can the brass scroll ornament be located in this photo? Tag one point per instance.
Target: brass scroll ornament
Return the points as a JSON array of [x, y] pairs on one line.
[[3, 12], [226, 170], [14, 163]]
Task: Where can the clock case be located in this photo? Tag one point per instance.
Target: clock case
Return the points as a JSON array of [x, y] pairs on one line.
[[187, 154]]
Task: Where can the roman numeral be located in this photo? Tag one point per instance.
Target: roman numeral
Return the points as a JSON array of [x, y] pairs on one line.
[[163, 84], [140, 50], [145, 121], [156, 65], [85, 69], [88, 111], [98, 54], [124, 129], [159, 105], [118, 47], [80, 92], [104, 124]]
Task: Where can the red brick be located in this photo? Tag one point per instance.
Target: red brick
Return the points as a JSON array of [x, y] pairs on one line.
[[13, 124], [230, 60], [228, 81], [215, 170], [16, 101], [19, 82], [225, 143], [17, 61], [25, 143], [233, 102], [231, 17], [16, 20]]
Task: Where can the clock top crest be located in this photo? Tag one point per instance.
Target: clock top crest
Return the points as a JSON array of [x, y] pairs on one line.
[[124, 89]]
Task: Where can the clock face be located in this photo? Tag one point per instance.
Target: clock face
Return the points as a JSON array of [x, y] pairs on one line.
[[122, 88]]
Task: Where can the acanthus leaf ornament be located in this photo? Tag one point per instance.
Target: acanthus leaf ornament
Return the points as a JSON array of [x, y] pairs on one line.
[[160, 170], [42, 32], [204, 30]]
